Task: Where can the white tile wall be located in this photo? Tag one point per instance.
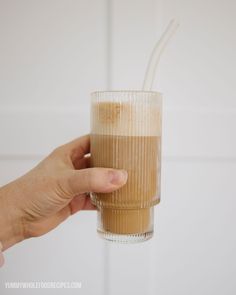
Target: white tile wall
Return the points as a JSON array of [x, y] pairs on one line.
[[52, 55], [52, 52]]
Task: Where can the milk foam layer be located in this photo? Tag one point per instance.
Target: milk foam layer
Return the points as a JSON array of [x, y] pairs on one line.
[[125, 119]]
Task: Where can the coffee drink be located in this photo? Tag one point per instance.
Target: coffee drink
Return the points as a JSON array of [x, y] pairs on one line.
[[126, 134]]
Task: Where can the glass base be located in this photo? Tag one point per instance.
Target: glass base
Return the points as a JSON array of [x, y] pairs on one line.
[[125, 239]]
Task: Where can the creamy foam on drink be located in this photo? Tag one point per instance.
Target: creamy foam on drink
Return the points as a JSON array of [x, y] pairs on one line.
[[127, 135], [126, 119]]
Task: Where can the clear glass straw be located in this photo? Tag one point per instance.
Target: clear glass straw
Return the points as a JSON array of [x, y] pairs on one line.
[[156, 54]]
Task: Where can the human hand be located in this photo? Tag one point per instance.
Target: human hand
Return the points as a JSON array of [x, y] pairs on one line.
[[37, 202]]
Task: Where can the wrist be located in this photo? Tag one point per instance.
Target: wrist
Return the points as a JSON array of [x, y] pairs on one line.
[[11, 219]]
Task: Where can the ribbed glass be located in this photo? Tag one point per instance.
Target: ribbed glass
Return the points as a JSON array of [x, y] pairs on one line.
[[126, 134]]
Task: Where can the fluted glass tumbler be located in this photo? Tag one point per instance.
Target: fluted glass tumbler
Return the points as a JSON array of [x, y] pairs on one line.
[[126, 134]]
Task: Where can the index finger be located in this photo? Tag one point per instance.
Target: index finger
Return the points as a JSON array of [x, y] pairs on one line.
[[77, 148]]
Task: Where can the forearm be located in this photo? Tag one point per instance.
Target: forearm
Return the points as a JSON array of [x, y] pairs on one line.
[[11, 221]]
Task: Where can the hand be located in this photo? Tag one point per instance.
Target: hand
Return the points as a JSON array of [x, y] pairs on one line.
[[40, 200]]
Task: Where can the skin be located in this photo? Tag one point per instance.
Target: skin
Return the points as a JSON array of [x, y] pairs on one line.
[[56, 188]]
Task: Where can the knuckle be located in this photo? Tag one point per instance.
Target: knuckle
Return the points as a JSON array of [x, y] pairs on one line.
[[56, 151], [94, 182], [91, 179], [64, 185]]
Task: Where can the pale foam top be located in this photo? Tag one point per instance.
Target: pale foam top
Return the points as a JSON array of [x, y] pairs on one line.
[[126, 119]]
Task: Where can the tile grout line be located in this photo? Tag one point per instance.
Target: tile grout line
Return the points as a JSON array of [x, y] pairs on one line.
[[199, 110], [167, 159], [152, 267], [108, 30]]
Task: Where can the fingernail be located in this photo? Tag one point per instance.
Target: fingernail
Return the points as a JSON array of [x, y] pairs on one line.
[[118, 177]]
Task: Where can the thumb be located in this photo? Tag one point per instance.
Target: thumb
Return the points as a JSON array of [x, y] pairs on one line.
[[100, 180]]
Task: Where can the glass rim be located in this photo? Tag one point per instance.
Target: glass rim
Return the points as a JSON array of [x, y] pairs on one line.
[[126, 91]]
